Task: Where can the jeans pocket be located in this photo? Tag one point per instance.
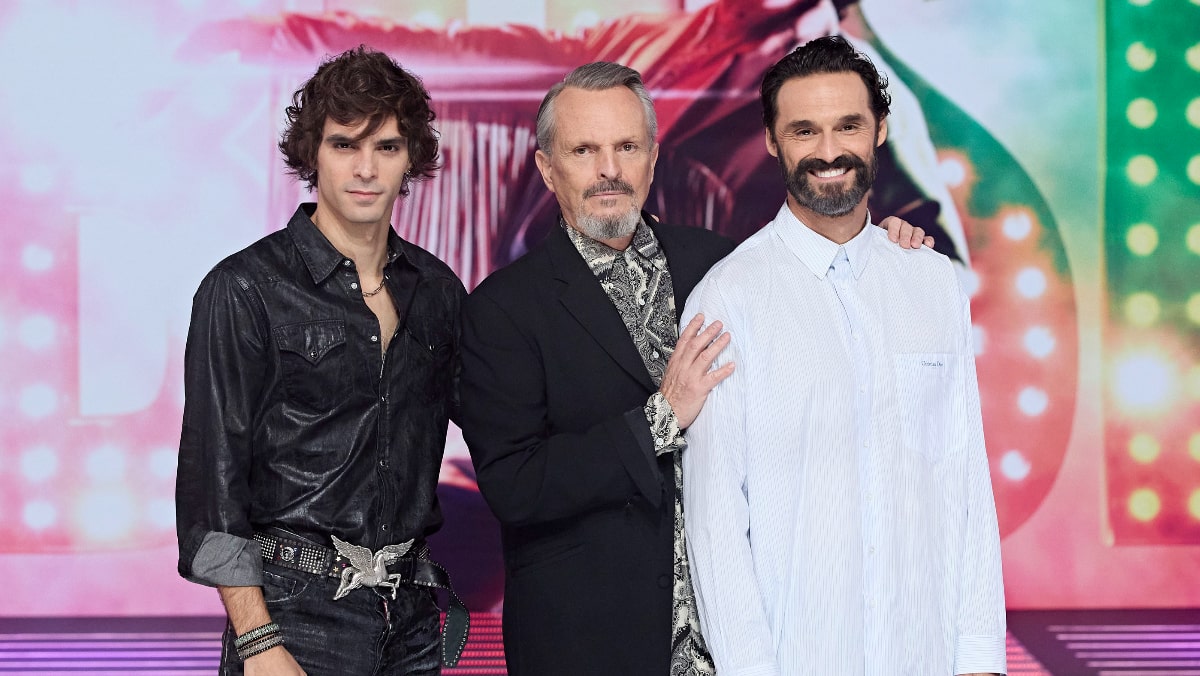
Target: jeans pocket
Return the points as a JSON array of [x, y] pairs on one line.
[[281, 589]]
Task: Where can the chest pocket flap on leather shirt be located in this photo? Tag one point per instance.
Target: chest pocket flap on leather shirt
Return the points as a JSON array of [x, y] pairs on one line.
[[313, 363]]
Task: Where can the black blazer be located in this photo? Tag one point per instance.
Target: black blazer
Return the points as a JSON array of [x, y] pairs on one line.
[[553, 391]]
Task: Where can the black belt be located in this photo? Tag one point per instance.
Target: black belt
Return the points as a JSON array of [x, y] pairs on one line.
[[416, 568]]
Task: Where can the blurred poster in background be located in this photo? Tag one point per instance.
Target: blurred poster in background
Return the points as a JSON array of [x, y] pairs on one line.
[[1051, 148]]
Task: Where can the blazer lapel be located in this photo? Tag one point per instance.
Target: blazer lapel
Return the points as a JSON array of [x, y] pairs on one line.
[[585, 300]]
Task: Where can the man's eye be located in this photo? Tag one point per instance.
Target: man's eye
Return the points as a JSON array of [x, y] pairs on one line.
[[629, 147], [342, 146], [389, 148], [580, 151]]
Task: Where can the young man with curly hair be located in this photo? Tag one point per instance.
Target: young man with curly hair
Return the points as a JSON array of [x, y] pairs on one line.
[[319, 378]]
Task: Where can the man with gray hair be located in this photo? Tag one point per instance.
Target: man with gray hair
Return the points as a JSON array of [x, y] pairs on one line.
[[576, 391]]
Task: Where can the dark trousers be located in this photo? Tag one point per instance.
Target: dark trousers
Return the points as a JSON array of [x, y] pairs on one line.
[[365, 633]]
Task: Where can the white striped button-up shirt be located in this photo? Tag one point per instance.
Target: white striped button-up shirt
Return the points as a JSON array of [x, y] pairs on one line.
[[837, 499]]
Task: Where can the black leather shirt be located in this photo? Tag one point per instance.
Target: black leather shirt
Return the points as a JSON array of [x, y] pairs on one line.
[[295, 418]]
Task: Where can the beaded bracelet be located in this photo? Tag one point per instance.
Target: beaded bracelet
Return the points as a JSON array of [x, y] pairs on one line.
[[268, 628]]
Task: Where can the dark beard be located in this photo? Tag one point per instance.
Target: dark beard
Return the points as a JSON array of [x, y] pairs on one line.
[[830, 201]]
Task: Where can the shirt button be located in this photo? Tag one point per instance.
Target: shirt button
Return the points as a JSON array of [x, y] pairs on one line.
[[347, 263], [655, 354], [383, 463], [383, 527], [374, 339], [866, 444], [664, 581], [871, 549], [353, 285]]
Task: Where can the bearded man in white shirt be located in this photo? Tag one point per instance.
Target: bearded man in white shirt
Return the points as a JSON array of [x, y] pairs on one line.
[[838, 505]]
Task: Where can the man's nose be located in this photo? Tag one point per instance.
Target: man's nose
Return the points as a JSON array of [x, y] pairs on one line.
[[364, 165], [828, 148], [607, 164]]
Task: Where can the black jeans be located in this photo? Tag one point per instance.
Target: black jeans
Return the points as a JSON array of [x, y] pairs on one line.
[[364, 633]]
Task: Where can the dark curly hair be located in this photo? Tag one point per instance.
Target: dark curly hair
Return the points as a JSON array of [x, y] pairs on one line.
[[360, 84], [830, 54]]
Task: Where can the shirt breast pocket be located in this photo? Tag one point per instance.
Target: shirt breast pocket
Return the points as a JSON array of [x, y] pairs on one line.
[[313, 364], [429, 343], [929, 387]]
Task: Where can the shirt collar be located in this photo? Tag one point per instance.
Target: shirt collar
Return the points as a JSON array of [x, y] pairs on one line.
[[321, 257], [815, 251], [600, 256]]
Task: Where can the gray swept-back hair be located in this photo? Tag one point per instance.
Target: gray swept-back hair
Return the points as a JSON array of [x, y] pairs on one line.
[[595, 77]]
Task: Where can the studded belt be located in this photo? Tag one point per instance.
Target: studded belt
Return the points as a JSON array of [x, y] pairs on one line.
[[412, 568]]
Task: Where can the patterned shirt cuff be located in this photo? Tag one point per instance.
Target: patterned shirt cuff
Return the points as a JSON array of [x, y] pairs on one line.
[[664, 426]]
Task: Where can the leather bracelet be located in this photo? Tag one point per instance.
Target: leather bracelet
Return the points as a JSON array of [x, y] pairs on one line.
[[268, 628], [261, 645]]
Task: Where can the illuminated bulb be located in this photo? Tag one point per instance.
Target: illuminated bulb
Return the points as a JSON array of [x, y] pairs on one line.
[[1141, 113], [161, 513], [1143, 383], [1144, 504], [37, 258], [1193, 169], [1194, 504], [36, 179], [1142, 239], [105, 515], [106, 463], [1032, 401], [1039, 342], [37, 332], [38, 401], [163, 462], [39, 515], [1140, 57], [953, 172], [1194, 446], [1017, 226], [1139, 3], [38, 464], [1193, 308], [1193, 111], [1141, 170], [970, 281], [1141, 309], [1014, 466], [1192, 56], [1031, 282], [1193, 239], [1144, 448]]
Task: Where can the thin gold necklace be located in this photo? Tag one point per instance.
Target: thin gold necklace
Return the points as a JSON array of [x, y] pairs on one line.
[[368, 294]]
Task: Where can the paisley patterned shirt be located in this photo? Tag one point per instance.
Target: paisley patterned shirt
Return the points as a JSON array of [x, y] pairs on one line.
[[638, 282]]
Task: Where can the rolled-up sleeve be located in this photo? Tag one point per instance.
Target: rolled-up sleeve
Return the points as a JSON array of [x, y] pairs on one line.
[[224, 365]]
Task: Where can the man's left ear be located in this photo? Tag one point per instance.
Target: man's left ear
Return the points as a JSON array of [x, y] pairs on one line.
[[881, 135]]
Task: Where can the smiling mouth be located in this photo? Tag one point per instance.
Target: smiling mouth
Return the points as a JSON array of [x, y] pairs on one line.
[[831, 173]]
